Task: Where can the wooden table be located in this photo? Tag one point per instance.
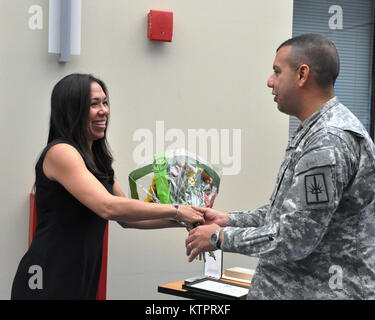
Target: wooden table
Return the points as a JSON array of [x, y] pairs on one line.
[[175, 288]]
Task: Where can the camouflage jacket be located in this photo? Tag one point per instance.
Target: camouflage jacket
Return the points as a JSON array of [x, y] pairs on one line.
[[316, 237]]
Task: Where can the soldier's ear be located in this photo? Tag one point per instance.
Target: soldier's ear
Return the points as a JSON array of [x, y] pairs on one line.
[[304, 73]]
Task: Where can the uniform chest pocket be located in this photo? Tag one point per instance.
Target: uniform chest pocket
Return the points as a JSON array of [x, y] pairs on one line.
[[280, 176], [315, 177]]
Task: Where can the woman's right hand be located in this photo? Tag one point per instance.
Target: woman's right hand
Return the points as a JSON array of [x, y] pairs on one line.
[[213, 216], [190, 215]]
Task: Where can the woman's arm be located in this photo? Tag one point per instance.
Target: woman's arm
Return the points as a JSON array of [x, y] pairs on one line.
[[64, 164], [151, 224], [146, 224]]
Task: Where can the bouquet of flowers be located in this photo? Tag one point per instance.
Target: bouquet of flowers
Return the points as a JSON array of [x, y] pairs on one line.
[[176, 177]]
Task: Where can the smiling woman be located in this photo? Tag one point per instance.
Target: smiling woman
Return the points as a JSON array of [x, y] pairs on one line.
[[76, 194], [98, 114]]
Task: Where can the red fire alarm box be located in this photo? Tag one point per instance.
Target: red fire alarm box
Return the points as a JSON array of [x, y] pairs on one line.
[[160, 25]]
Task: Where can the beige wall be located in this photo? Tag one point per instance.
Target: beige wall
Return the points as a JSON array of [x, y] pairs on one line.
[[212, 76]]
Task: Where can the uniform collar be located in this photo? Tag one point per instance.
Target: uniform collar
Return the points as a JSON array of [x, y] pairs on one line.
[[309, 122]]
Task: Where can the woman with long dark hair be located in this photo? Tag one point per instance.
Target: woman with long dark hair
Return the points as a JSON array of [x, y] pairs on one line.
[[75, 196]]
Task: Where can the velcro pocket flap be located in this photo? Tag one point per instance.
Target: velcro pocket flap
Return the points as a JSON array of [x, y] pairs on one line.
[[315, 159]]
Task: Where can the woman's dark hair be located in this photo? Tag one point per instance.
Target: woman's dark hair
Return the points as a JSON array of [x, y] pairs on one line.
[[70, 106]]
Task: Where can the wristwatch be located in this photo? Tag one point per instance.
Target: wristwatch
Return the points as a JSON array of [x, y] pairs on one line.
[[176, 216], [215, 239]]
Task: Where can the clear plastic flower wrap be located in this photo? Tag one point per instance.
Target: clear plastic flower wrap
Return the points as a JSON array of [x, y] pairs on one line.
[[176, 176]]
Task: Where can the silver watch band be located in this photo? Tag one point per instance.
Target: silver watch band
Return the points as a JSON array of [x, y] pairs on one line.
[[176, 205], [215, 238]]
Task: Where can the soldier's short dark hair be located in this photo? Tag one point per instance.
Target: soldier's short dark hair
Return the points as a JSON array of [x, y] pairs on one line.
[[319, 53]]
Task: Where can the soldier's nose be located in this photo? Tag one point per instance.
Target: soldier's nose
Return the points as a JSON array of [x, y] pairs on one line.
[[270, 82]]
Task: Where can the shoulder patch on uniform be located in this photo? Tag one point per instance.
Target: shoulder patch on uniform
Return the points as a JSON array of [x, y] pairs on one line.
[[316, 188]]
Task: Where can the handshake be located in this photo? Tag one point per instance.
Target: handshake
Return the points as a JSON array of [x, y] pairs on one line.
[[208, 220]]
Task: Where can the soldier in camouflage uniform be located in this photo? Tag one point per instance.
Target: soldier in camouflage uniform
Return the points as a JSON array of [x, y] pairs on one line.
[[316, 237]]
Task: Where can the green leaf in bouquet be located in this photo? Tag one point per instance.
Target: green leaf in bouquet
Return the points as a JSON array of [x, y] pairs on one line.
[[161, 178]]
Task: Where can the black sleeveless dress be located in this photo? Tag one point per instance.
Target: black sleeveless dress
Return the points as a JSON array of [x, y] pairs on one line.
[[66, 248]]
